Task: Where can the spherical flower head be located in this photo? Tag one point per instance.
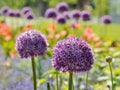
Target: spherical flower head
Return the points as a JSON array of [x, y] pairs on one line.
[[29, 16], [72, 55], [11, 13], [61, 19], [86, 16], [66, 15], [31, 43], [76, 14], [17, 14], [106, 19], [25, 10], [62, 7], [51, 13], [4, 10]]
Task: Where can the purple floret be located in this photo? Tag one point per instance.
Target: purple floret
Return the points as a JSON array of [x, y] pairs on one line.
[[26, 10], [86, 16], [62, 7], [72, 55], [66, 14], [51, 13], [76, 14], [4, 10], [106, 19], [11, 13], [29, 16], [61, 19], [31, 43], [17, 13]]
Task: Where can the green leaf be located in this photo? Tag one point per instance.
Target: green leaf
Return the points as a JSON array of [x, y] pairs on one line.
[[41, 81]]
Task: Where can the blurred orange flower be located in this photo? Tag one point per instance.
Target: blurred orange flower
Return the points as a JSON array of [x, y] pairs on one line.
[[90, 36], [28, 27], [76, 26], [51, 27], [5, 31]]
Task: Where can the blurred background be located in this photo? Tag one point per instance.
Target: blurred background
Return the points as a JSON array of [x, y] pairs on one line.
[[96, 21]]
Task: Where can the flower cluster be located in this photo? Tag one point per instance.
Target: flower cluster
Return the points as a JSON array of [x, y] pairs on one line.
[[72, 55], [26, 12]]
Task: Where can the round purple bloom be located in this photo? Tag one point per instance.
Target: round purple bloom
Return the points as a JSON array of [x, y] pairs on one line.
[[17, 14], [25, 10], [62, 7], [11, 13], [51, 13], [61, 19], [4, 10], [66, 14], [76, 14], [29, 16], [106, 19], [72, 55], [31, 43], [86, 16]]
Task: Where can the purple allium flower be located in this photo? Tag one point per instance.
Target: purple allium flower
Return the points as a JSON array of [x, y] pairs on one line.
[[29, 16], [66, 14], [31, 43], [51, 13], [72, 55], [4, 10], [61, 7], [76, 14], [17, 14], [86, 16], [61, 19], [11, 13], [106, 19], [25, 10]]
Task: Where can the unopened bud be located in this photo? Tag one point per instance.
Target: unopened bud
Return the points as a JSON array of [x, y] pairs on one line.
[[109, 59]]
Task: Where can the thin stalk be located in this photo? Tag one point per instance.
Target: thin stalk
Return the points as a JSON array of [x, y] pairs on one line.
[[70, 86], [87, 80], [111, 75], [48, 86], [34, 72], [57, 84]]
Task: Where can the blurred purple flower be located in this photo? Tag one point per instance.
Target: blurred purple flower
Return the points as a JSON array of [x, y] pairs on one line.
[[51, 13], [4, 10], [17, 13], [26, 10], [61, 19], [31, 43], [66, 14], [62, 7], [106, 19], [11, 13], [29, 16], [86, 16], [72, 55], [76, 14]]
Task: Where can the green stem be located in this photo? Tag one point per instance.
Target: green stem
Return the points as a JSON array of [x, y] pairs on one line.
[[34, 73], [48, 86], [57, 80], [70, 86], [111, 75], [87, 80]]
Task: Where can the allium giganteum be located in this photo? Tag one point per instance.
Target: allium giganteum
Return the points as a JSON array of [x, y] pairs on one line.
[[72, 55], [106, 19], [31, 43]]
